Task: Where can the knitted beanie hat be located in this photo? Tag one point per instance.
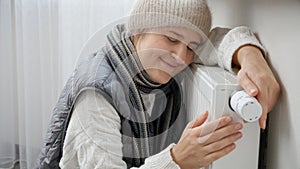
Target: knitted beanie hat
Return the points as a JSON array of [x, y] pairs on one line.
[[191, 14]]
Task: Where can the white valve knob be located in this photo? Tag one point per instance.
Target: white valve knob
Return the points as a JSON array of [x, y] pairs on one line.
[[245, 106]]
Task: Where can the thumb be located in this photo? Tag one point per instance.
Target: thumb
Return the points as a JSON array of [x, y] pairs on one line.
[[199, 120], [247, 84]]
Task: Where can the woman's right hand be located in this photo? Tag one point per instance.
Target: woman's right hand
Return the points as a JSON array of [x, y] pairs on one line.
[[201, 144]]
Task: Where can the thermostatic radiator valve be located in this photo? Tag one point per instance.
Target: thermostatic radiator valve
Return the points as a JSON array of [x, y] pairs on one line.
[[247, 107]]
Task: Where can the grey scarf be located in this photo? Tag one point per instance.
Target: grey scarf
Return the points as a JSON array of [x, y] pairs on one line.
[[149, 133]]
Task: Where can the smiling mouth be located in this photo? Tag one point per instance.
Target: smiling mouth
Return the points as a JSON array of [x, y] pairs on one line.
[[169, 65]]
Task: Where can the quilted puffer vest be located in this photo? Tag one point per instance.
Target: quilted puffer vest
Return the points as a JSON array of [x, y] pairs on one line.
[[96, 73]]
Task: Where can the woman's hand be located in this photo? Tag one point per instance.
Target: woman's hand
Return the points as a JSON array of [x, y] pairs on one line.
[[256, 77], [201, 144]]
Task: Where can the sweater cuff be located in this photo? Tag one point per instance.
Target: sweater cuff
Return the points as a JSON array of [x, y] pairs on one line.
[[162, 160], [235, 39]]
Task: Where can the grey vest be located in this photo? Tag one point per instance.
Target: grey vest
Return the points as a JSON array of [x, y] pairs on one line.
[[96, 73]]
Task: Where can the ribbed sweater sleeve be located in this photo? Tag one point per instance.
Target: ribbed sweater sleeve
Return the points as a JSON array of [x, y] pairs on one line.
[[223, 43]]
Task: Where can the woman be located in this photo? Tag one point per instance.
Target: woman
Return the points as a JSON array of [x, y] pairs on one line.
[[123, 106]]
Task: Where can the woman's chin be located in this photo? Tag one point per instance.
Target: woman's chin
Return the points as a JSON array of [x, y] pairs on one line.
[[161, 77]]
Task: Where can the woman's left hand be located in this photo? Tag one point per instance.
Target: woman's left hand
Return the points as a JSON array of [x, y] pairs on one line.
[[257, 79]]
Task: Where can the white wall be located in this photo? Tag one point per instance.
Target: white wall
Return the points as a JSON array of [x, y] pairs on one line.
[[277, 23]]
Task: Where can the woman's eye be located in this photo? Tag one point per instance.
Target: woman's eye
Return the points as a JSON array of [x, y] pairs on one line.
[[192, 47], [172, 39]]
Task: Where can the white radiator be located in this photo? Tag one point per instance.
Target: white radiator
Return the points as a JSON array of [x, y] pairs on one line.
[[210, 88]]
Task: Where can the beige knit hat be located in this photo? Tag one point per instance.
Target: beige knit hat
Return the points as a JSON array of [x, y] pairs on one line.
[[191, 14]]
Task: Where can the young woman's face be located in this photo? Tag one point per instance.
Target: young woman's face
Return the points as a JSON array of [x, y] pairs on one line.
[[164, 53]]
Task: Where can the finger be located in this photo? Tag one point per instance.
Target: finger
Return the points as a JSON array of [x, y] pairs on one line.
[[219, 145], [263, 120], [221, 134], [265, 107], [247, 84], [212, 126], [199, 120], [218, 154]]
